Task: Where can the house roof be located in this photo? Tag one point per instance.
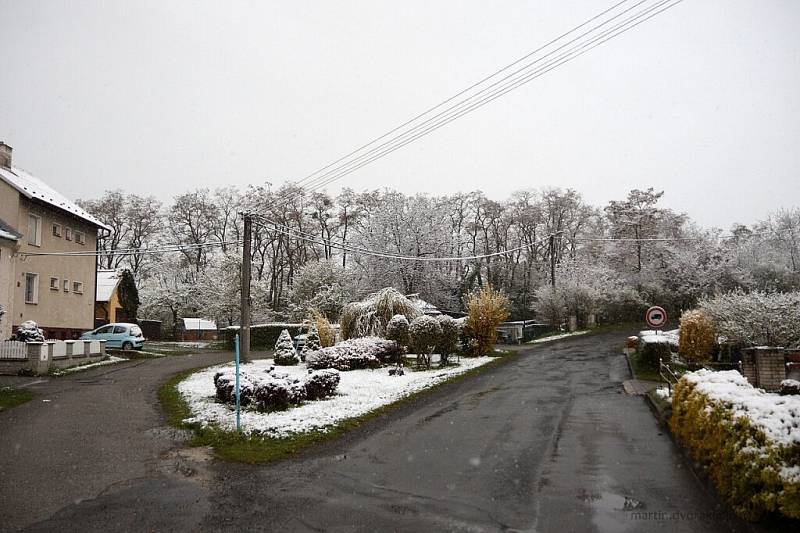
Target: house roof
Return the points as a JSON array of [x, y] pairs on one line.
[[7, 231], [423, 306], [199, 324], [33, 188], [107, 281]]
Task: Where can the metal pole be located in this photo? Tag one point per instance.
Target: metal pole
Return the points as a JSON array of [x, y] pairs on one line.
[[238, 401], [246, 258]]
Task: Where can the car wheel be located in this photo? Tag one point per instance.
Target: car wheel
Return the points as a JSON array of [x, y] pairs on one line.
[[127, 346]]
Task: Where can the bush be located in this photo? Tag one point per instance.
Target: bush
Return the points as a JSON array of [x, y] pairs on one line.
[[425, 332], [750, 471], [312, 341], [321, 384], [285, 354], [28, 331], [262, 336], [756, 318], [275, 394], [790, 387], [397, 330], [486, 309], [327, 336], [697, 337], [354, 354], [448, 340], [370, 316], [652, 349]]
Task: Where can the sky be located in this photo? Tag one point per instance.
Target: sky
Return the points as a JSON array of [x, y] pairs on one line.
[[161, 97]]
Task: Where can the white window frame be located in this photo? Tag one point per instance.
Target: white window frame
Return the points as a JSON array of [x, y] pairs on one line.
[[66, 285], [68, 233], [34, 289], [54, 284], [56, 229], [35, 238], [77, 287]]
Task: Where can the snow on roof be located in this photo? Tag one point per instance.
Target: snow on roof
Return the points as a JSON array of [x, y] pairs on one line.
[[423, 306], [199, 324], [7, 231], [107, 281], [32, 187]]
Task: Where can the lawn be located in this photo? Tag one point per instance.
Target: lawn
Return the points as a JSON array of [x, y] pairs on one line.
[[10, 397]]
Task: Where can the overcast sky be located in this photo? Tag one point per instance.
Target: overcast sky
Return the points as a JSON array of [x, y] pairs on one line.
[[158, 97]]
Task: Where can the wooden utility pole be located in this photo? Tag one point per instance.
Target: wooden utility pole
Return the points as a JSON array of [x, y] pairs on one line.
[[553, 260], [244, 326]]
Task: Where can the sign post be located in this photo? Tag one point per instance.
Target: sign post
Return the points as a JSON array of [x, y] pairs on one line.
[[656, 317], [238, 402]]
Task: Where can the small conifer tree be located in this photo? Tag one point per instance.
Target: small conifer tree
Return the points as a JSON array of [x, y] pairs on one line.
[[285, 354]]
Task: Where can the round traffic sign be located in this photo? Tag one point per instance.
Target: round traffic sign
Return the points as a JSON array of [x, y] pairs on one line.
[[656, 317]]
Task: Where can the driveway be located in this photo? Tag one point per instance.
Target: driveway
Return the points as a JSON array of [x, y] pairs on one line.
[[545, 442]]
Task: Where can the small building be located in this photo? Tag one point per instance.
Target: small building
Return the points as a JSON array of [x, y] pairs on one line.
[[107, 308], [198, 329], [423, 306]]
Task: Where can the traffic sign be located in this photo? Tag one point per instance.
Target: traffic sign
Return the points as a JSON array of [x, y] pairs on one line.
[[655, 317]]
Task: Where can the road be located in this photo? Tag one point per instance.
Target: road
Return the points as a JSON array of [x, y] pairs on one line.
[[545, 442]]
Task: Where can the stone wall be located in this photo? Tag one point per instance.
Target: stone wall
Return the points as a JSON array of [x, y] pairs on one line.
[[45, 356]]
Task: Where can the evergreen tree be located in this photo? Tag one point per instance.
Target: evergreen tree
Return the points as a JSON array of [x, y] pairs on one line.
[[312, 341], [285, 354], [128, 295]]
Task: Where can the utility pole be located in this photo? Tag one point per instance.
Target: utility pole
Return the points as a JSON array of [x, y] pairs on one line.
[[553, 260], [244, 325]]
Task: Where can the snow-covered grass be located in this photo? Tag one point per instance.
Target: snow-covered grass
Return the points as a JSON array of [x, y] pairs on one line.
[[777, 416], [359, 392], [557, 337], [103, 362]]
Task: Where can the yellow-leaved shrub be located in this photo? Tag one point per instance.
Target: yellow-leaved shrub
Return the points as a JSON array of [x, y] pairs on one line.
[[487, 308], [739, 459], [697, 337], [327, 336]]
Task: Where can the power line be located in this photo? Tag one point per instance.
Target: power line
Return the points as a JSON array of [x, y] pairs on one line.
[[133, 251], [578, 50]]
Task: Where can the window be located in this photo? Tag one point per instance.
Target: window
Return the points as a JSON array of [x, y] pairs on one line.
[[80, 238], [53, 284], [119, 329], [56, 230], [31, 288], [34, 230], [77, 287], [68, 233], [136, 331], [104, 329], [66, 285]]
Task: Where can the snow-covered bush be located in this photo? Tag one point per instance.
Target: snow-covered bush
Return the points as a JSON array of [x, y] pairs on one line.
[[652, 349], [285, 354], [370, 316], [448, 339], [487, 308], [756, 318], [790, 387], [312, 341], [747, 440], [321, 383], [354, 354], [397, 330], [28, 331], [425, 333], [273, 394], [323, 286], [696, 336]]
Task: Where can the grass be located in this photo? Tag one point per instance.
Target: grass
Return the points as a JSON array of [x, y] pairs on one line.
[[642, 371], [233, 446], [10, 397], [663, 407], [156, 348]]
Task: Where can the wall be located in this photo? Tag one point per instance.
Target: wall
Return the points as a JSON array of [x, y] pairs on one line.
[[6, 277], [62, 314]]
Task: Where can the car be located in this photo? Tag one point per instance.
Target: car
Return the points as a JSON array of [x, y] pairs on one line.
[[117, 335]]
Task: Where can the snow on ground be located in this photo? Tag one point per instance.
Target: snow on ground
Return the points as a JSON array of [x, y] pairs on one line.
[[777, 416], [110, 361], [672, 336], [556, 337], [664, 393], [359, 392]]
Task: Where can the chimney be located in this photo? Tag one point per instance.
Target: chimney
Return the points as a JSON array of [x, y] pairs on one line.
[[5, 155]]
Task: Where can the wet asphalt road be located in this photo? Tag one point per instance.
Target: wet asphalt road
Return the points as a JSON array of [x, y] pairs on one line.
[[544, 442]]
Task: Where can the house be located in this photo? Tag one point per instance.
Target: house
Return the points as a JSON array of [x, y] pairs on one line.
[[55, 291], [107, 305], [198, 329]]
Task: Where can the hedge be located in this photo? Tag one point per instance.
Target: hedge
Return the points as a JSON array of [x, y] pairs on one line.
[[262, 336], [742, 462]]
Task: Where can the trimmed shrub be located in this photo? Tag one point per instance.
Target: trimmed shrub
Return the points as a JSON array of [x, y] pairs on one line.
[[354, 354], [262, 336], [651, 349], [425, 333], [696, 340], [312, 342], [321, 383], [274, 394], [285, 354], [486, 309], [28, 331], [397, 330], [448, 340], [790, 387], [753, 473]]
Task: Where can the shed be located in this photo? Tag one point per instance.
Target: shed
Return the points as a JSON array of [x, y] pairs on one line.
[[198, 329]]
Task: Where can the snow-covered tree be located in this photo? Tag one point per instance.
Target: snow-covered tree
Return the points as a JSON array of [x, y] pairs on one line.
[[322, 285], [312, 341], [397, 330], [285, 354], [448, 339], [424, 332], [756, 318]]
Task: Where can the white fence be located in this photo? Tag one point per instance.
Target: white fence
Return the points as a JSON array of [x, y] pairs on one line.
[[59, 349], [13, 350]]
